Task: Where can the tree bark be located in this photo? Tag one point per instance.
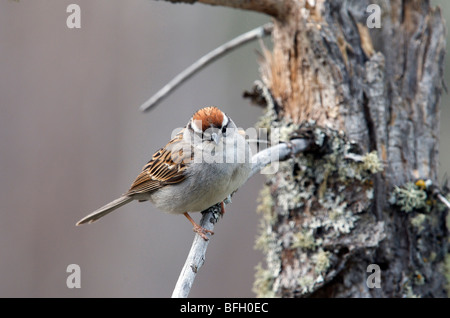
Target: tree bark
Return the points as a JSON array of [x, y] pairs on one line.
[[355, 89], [382, 88]]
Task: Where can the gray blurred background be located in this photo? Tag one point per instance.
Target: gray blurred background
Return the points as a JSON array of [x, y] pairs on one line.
[[72, 139]]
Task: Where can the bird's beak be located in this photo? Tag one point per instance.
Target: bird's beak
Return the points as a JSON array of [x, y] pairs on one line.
[[215, 137]]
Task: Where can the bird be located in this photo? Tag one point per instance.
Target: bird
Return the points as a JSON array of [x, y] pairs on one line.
[[205, 163]]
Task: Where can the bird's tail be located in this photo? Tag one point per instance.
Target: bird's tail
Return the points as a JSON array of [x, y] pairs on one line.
[[108, 208]]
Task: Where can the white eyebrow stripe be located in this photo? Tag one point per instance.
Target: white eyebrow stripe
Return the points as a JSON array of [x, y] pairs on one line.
[[225, 120], [196, 125]]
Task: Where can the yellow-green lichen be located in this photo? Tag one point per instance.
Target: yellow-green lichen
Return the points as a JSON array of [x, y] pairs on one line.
[[263, 238], [340, 219], [262, 286], [264, 122], [418, 221], [372, 163], [314, 200], [304, 239], [322, 261], [286, 131], [265, 206], [410, 197], [306, 283], [289, 195]]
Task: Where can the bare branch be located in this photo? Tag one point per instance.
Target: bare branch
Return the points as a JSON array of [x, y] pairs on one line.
[[197, 254], [204, 61], [274, 8], [443, 200]]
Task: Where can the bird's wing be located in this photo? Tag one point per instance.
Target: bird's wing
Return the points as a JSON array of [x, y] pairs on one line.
[[167, 166]]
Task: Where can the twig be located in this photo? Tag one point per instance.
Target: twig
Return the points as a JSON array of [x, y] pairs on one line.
[[443, 200], [196, 256], [204, 61], [275, 8]]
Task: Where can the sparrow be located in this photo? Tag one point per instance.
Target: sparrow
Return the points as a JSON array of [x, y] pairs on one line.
[[206, 162]]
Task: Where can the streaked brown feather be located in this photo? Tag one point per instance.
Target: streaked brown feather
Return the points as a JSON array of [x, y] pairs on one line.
[[164, 168]]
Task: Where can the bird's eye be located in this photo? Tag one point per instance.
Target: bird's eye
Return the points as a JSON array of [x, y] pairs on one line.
[[224, 130]]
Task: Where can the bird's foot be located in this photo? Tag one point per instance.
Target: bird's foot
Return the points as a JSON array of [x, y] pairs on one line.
[[202, 231]]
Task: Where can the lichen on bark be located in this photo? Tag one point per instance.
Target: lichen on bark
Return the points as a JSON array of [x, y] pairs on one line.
[[379, 88], [317, 215]]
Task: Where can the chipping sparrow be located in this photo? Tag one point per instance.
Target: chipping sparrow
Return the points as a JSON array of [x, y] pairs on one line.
[[202, 165]]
